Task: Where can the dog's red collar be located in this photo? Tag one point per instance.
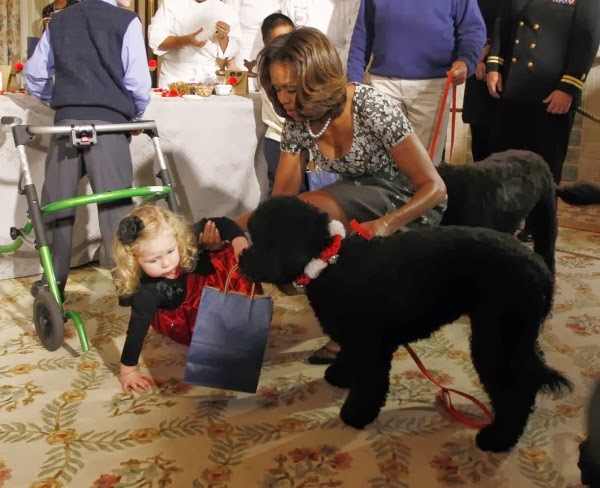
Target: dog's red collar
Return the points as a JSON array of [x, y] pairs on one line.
[[326, 257]]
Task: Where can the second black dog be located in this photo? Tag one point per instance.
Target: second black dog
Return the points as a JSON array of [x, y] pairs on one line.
[[387, 292], [502, 190]]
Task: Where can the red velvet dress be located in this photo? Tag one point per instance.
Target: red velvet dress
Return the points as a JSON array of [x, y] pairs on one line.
[[178, 323]]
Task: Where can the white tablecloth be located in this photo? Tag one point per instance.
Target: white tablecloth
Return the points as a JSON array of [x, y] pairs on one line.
[[211, 146]]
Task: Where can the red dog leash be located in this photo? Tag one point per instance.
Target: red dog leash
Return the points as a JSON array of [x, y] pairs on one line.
[[444, 393], [438, 123]]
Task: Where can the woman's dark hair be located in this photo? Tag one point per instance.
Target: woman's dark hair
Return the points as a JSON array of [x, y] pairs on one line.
[[272, 22], [321, 82]]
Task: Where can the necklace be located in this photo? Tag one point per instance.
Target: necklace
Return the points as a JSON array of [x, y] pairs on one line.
[[321, 132]]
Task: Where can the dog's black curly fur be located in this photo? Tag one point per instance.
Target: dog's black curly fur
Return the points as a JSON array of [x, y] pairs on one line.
[[387, 292], [500, 191]]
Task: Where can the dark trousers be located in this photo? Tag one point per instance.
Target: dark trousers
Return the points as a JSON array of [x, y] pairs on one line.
[[481, 146], [272, 152], [108, 166], [530, 127]]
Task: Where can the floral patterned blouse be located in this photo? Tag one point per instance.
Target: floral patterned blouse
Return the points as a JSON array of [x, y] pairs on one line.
[[379, 125], [50, 9]]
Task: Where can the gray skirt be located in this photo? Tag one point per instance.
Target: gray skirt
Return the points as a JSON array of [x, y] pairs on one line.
[[370, 197]]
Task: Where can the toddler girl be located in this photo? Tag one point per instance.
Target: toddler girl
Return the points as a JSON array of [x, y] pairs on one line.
[[164, 263]]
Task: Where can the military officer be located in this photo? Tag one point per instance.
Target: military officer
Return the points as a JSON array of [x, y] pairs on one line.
[[478, 106], [541, 53]]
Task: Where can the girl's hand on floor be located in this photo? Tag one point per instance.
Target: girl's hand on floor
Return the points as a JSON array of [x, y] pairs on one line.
[[132, 377]]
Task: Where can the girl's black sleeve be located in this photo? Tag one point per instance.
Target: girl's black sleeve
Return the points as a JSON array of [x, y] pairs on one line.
[[144, 305], [228, 229]]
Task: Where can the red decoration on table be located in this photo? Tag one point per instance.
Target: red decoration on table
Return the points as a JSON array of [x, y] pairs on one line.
[[18, 66], [152, 63], [233, 81]]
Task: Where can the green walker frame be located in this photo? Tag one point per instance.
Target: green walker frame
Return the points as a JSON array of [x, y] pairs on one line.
[[49, 314]]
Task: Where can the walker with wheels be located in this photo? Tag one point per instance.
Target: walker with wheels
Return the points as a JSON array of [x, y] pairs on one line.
[[49, 314]]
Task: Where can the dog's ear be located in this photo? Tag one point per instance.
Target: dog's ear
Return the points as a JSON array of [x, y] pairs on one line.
[[286, 234]]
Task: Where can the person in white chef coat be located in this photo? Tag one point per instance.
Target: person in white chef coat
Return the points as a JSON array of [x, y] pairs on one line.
[[334, 18], [190, 35], [251, 14]]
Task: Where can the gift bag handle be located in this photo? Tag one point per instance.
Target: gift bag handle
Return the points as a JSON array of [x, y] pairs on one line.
[[233, 269]]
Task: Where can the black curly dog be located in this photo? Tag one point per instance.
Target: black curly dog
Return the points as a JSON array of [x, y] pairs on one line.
[[500, 191], [386, 292]]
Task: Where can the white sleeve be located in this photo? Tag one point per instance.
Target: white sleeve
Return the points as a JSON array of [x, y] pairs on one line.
[[234, 4], [287, 9], [161, 27], [235, 33]]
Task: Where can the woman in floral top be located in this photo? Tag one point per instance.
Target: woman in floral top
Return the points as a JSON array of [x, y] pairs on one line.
[[388, 180], [49, 10], [55, 6]]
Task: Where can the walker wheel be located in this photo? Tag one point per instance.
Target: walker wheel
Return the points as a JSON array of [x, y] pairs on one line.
[[49, 320]]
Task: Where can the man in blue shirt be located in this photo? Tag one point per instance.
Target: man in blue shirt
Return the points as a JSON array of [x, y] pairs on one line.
[[413, 44], [91, 67]]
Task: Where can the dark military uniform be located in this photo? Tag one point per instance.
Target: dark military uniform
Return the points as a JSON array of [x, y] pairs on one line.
[[478, 105], [540, 46]]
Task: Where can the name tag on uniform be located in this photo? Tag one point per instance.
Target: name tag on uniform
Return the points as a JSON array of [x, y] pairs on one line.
[[565, 2]]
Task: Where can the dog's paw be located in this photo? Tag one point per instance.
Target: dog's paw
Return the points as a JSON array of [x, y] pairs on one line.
[[338, 376], [356, 415], [494, 439]]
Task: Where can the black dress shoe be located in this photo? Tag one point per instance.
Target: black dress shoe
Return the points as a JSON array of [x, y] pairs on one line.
[[322, 356], [525, 236]]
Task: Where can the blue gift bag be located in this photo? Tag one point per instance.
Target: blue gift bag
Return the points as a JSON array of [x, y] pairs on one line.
[[318, 178], [229, 340]]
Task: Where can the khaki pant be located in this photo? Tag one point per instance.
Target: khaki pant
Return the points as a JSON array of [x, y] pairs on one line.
[[420, 100]]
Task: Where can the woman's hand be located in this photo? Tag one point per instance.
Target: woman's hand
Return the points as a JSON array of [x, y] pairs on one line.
[[210, 238], [132, 377], [378, 227], [239, 244]]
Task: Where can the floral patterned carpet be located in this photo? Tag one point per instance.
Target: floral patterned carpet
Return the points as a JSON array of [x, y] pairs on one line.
[[65, 422]]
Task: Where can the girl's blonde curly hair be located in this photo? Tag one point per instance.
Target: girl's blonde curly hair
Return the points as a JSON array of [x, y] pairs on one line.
[[156, 220]]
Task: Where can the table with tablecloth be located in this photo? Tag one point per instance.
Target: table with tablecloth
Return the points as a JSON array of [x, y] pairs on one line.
[[211, 144]]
